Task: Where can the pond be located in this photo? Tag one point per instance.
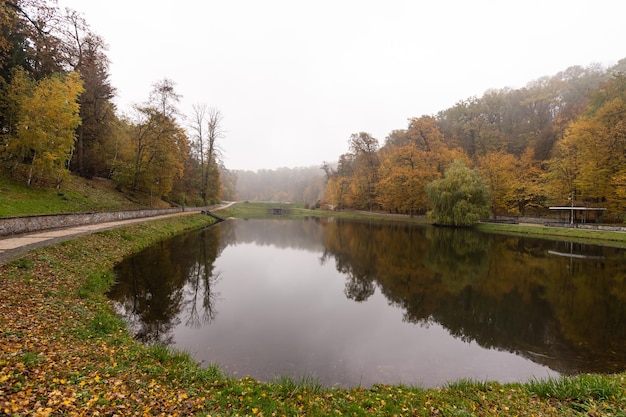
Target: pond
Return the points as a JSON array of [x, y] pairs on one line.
[[351, 303]]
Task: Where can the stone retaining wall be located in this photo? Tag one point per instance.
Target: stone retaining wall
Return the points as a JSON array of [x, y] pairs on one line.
[[28, 224]]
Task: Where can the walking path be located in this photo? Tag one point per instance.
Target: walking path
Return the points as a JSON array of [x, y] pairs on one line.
[[14, 246]]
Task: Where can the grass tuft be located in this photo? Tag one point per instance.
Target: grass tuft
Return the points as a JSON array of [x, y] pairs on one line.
[[162, 353], [30, 360], [290, 386], [97, 283], [468, 384], [579, 388], [22, 263], [104, 324]]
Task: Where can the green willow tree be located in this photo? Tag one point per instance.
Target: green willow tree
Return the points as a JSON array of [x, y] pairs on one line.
[[460, 198]]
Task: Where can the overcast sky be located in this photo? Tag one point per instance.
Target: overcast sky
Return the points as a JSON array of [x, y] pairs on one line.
[[294, 79]]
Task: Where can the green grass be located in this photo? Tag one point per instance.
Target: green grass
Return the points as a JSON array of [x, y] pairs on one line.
[[23, 263], [600, 237], [256, 210], [77, 195], [30, 360], [590, 387], [104, 323], [96, 284]]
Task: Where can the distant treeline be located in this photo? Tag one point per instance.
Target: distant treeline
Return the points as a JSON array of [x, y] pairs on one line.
[[295, 185]]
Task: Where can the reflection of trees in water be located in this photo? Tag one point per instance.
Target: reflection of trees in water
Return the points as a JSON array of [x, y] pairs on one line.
[[146, 303], [355, 256], [279, 232], [199, 291], [502, 292], [159, 284], [202, 278], [459, 255]]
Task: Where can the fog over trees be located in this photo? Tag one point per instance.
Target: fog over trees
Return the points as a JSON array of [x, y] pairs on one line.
[[295, 185]]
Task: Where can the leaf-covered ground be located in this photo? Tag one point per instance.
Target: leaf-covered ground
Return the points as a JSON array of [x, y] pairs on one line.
[[63, 353]]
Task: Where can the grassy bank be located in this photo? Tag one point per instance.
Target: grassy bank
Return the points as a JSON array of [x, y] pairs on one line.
[[600, 237], [64, 352], [296, 211], [76, 195]]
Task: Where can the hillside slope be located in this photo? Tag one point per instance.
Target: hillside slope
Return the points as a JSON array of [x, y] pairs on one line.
[[77, 195]]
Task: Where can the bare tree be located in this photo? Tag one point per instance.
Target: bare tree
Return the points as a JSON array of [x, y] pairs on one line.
[[165, 97], [205, 143], [214, 133]]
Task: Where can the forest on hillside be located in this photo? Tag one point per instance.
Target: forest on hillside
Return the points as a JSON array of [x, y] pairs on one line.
[[560, 140], [57, 115]]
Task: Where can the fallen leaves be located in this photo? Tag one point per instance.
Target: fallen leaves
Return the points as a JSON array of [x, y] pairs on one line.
[[48, 365]]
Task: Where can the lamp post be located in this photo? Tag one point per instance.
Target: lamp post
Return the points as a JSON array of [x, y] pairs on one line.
[[571, 216]]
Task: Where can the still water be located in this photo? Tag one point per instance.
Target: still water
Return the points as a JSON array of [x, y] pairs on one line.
[[356, 303]]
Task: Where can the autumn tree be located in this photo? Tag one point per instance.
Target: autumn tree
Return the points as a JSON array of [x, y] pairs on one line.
[[401, 186], [158, 151], [499, 170], [31, 38], [42, 40], [206, 128], [563, 171], [210, 190], [527, 184], [338, 184], [410, 160], [470, 126], [589, 161], [40, 139], [365, 170], [229, 180], [460, 198]]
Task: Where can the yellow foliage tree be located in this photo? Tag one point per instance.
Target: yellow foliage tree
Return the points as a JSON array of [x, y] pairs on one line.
[[157, 153], [589, 162], [498, 169], [40, 145], [527, 183]]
